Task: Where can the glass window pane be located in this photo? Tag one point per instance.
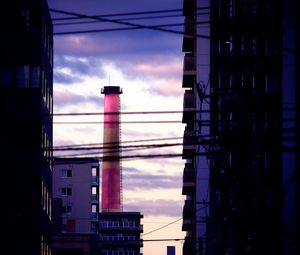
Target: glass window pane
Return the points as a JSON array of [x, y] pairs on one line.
[[6, 77], [22, 77], [34, 77]]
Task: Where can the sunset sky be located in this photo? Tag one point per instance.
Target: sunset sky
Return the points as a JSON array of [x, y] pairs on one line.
[[147, 65]]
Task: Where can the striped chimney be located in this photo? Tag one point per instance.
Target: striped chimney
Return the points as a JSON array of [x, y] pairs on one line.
[[111, 165]]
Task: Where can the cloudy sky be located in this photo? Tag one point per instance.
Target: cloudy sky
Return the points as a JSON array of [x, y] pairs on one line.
[[147, 64]]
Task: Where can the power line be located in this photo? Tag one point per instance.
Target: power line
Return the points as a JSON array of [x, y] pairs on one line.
[[130, 13], [118, 147], [128, 141], [157, 27], [157, 229], [70, 240], [134, 18], [138, 18], [140, 156], [121, 14], [119, 122], [123, 113], [126, 23]]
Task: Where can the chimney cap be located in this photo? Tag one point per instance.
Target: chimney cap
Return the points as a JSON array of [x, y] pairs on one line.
[[111, 90]]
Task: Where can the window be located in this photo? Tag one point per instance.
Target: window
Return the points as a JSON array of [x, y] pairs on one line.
[[67, 209], [34, 79], [94, 171], [22, 76], [26, 19], [6, 77], [94, 191], [66, 173], [66, 191]]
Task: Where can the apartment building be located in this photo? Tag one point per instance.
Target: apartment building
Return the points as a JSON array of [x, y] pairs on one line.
[[76, 182]]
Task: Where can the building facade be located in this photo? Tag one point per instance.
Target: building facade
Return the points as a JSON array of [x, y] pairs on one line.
[[245, 128], [76, 182], [196, 105], [26, 64], [120, 233]]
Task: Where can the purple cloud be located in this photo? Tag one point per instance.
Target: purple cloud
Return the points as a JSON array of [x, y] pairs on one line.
[[139, 53], [63, 78], [157, 207], [62, 99], [134, 179]]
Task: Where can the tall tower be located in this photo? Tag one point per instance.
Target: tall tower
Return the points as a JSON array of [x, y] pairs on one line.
[[111, 167]]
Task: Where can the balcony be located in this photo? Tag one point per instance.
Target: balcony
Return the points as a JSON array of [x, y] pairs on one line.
[[189, 143], [188, 216], [189, 64], [113, 240], [190, 26], [189, 180], [189, 107], [120, 226], [189, 38], [189, 71], [188, 80]]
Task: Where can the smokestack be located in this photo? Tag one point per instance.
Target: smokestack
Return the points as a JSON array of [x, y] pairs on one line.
[[111, 166]]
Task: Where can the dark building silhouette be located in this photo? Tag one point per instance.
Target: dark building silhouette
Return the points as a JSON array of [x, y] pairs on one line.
[[246, 127], [26, 63]]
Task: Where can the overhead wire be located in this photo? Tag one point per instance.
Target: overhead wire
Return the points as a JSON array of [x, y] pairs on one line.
[[126, 23], [157, 229], [126, 19], [122, 14], [131, 13], [122, 113], [122, 142]]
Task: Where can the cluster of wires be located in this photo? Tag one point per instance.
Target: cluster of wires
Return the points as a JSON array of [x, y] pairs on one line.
[[90, 23]]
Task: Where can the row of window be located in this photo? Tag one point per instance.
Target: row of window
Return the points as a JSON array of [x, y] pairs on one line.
[[246, 45], [67, 173], [119, 224], [67, 209], [231, 8], [67, 191], [253, 81], [128, 252], [117, 238], [27, 76], [22, 77]]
